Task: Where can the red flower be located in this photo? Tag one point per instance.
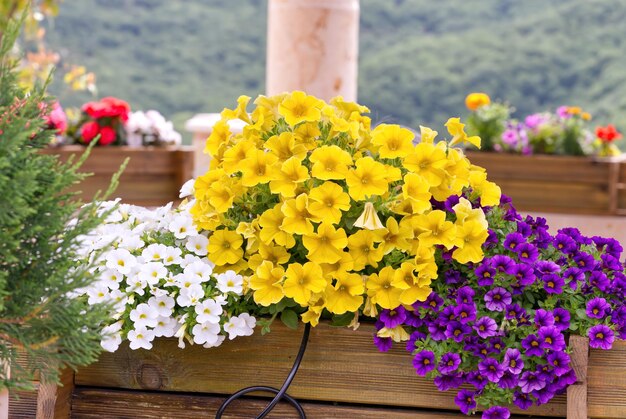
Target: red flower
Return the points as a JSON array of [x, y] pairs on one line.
[[608, 134], [89, 130], [108, 107], [107, 136]]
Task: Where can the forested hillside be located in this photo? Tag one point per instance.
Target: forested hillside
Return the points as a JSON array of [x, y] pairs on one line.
[[418, 58]]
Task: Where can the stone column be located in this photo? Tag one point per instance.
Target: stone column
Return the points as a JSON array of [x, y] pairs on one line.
[[312, 45]]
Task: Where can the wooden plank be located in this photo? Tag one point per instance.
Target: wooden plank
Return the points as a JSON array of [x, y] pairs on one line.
[[340, 365], [98, 403], [606, 380], [577, 393], [23, 404]]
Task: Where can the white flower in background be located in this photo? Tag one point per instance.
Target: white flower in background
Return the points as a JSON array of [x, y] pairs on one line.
[[188, 259], [172, 256], [119, 300], [237, 326], [136, 285], [198, 245], [218, 342], [166, 327], [111, 342], [121, 260], [185, 280], [131, 242], [163, 304], [152, 272], [154, 252], [190, 296], [250, 321], [141, 337], [221, 299], [98, 293], [182, 227], [229, 281], [144, 316], [187, 189], [200, 270], [206, 333], [111, 278], [208, 311]]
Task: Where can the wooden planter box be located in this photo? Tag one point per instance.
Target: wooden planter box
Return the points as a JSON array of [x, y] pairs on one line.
[[559, 184], [342, 376], [153, 176]]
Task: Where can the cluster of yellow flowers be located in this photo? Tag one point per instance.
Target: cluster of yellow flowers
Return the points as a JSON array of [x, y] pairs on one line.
[[309, 203]]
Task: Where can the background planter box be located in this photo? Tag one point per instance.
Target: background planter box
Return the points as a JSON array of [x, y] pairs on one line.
[[559, 184], [153, 176]]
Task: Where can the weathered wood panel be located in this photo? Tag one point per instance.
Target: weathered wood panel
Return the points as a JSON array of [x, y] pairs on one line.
[[153, 176], [23, 404], [340, 365], [606, 377], [562, 184]]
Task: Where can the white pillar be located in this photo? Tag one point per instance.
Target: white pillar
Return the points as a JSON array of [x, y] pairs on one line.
[[313, 45]]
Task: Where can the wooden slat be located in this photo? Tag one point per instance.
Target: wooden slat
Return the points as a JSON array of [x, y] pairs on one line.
[[340, 365], [606, 378], [23, 404], [577, 393]]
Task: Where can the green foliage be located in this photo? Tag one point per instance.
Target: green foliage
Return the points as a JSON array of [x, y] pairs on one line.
[[38, 315], [418, 58]]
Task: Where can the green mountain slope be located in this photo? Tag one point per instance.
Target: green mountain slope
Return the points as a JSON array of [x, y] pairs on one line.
[[418, 58]]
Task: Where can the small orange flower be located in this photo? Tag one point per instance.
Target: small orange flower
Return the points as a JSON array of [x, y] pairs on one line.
[[474, 101]]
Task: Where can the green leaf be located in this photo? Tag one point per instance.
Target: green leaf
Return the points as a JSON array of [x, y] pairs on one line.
[[581, 314], [342, 320], [289, 318]]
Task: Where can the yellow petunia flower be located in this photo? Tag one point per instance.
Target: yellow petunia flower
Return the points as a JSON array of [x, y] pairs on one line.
[[220, 196], [257, 168], [297, 216], [278, 255], [299, 107], [301, 281], [427, 135], [325, 246], [457, 130], [316, 306], [397, 334], [330, 162], [266, 283], [472, 236], [346, 295], [270, 103], [365, 249], [381, 291], [307, 133], [284, 146], [220, 135], [436, 230], [288, 176], [239, 112], [416, 190], [327, 201], [367, 179], [336, 269], [270, 222], [225, 247], [465, 213], [489, 192], [393, 141], [345, 109], [395, 236], [233, 156], [428, 161]]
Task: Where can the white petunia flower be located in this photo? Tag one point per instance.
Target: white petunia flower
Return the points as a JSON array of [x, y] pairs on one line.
[[187, 189], [111, 342], [111, 278], [144, 316], [172, 256], [154, 252], [206, 333], [237, 326], [119, 300], [131, 242], [199, 269], [188, 260], [152, 272], [186, 280], [98, 293], [190, 296], [121, 260], [162, 304], [166, 327], [198, 245], [136, 285], [229, 281], [218, 342], [208, 311], [250, 320], [140, 338], [182, 227]]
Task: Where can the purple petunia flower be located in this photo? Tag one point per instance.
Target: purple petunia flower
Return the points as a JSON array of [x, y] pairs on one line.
[[513, 240], [457, 330], [503, 263], [585, 261], [508, 380], [497, 299], [544, 318], [524, 274], [522, 400], [551, 338], [546, 267], [424, 362], [564, 243], [446, 382], [476, 379], [513, 361], [496, 412], [383, 344], [413, 319], [527, 253], [452, 277], [465, 295], [544, 395], [491, 369], [597, 308], [450, 202], [599, 280], [529, 382], [573, 276], [485, 274], [393, 318], [465, 400], [601, 336], [532, 344], [437, 330], [514, 311], [433, 302], [447, 314], [610, 263], [492, 239], [553, 283], [465, 313], [449, 363], [486, 327], [559, 361], [561, 318], [415, 336], [524, 229], [495, 345]]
